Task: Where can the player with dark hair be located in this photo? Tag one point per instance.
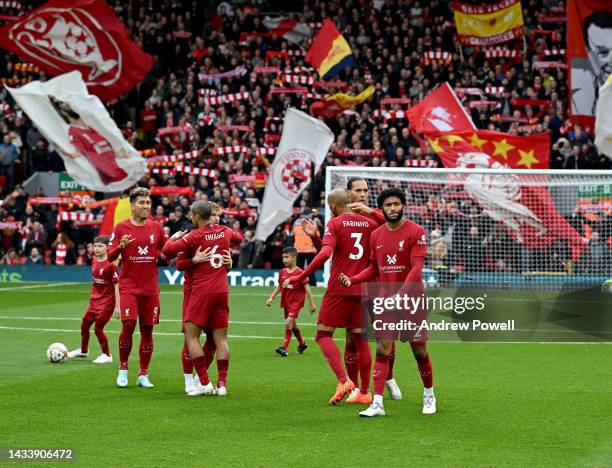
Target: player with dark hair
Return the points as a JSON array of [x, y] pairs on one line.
[[292, 300], [397, 255], [139, 241], [358, 192], [208, 307], [347, 237], [103, 302]]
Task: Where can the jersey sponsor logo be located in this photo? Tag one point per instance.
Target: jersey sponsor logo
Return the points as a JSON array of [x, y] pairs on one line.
[[423, 240], [143, 250], [392, 259], [152, 238]]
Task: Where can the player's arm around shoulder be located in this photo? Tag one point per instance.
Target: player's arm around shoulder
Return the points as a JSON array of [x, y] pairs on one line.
[[176, 243]]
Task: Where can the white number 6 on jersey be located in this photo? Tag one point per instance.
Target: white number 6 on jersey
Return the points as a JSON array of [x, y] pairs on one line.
[[216, 260], [357, 244]]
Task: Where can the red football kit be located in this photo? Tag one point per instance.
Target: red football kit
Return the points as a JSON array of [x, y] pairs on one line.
[[392, 257], [294, 295], [138, 283], [208, 302], [102, 297], [98, 151]]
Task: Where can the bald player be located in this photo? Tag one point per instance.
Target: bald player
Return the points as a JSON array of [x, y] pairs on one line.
[[347, 238], [359, 194]]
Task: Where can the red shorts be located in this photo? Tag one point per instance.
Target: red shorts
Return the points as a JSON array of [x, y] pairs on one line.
[[292, 312], [340, 311], [99, 316], [208, 311], [143, 308], [413, 332]]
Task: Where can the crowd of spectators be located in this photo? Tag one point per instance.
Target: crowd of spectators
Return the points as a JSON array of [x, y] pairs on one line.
[[388, 39]]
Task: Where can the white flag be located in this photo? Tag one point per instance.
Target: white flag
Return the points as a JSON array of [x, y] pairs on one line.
[[603, 119], [303, 146], [79, 127]]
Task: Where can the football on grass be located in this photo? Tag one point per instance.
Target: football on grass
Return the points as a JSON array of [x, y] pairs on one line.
[[57, 352]]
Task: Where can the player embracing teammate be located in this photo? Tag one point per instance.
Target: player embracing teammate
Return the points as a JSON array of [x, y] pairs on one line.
[[207, 307], [397, 255], [139, 241], [346, 237]]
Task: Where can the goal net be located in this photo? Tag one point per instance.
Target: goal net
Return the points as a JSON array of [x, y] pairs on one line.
[[503, 229]]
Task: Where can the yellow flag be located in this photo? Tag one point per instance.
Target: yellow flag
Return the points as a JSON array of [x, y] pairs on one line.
[[347, 101]]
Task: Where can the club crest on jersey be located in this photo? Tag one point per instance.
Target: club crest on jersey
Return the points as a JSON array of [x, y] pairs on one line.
[[101, 270], [143, 250], [401, 246], [292, 172], [423, 240], [392, 259], [152, 238]]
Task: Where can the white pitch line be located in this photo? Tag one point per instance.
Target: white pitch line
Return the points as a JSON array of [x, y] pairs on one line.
[[116, 332], [33, 286], [236, 322]]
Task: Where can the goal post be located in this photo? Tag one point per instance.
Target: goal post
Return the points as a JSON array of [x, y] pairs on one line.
[[502, 228]]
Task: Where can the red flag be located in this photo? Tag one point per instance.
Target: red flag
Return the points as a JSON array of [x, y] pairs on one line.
[[84, 35], [440, 111], [516, 152], [527, 211]]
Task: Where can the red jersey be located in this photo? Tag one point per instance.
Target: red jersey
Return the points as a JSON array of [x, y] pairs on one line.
[[294, 294], [148, 119], [390, 251], [208, 277], [104, 275], [349, 236], [139, 258], [98, 152]]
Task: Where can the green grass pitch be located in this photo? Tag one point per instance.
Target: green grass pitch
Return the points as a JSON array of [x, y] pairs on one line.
[[498, 404]]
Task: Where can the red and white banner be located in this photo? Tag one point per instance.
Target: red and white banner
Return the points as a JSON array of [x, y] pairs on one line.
[[83, 35], [226, 98], [95, 153], [344, 152], [482, 103], [75, 216], [588, 57], [501, 53], [494, 89], [469, 91], [235, 128], [421, 163], [10, 225], [440, 111], [542, 65], [223, 150], [298, 79], [288, 28], [436, 58], [197, 171], [266, 151], [302, 149]]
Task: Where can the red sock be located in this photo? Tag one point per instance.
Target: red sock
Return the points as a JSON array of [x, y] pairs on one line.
[[332, 354], [186, 360], [391, 362], [209, 349], [146, 348], [85, 325], [426, 371], [351, 361], [102, 339], [298, 336], [287, 338], [381, 369], [364, 358], [200, 366], [222, 367], [125, 342]]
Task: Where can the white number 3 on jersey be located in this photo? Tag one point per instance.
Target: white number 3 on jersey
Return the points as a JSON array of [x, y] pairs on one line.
[[357, 245]]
